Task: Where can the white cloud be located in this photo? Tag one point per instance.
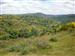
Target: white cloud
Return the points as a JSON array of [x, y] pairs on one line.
[[31, 6]]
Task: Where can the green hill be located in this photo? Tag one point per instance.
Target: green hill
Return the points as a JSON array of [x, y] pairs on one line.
[[37, 35]]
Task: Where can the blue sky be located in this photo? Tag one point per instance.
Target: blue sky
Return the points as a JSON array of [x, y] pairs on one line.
[[33, 6]]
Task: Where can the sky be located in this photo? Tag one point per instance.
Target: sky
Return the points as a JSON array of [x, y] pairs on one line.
[[37, 6]]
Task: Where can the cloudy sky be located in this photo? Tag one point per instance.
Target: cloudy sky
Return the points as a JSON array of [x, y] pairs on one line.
[[33, 6]]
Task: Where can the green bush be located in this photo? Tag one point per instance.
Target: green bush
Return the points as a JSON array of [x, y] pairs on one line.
[[64, 27], [22, 49], [24, 33], [13, 48], [34, 32], [53, 39], [5, 37]]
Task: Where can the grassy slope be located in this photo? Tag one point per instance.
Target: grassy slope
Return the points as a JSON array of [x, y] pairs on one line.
[[65, 45], [62, 45]]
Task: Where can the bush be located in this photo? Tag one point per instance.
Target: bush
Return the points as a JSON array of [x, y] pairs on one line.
[[43, 44], [12, 49], [13, 34], [72, 24], [22, 49], [5, 37], [53, 40], [34, 32], [24, 33]]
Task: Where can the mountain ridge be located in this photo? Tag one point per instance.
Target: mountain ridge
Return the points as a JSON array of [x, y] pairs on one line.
[[67, 17]]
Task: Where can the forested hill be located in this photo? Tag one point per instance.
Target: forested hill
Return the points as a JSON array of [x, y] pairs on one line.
[[27, 25], [62, 18]]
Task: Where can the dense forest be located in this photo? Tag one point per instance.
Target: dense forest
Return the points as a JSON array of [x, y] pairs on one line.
[[37, 33]]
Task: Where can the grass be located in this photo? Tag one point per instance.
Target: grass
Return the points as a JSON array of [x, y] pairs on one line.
[[40, 46]]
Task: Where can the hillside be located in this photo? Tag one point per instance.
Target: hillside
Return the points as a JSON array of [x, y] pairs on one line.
[[62, 18], [68, 17], [37, 35]]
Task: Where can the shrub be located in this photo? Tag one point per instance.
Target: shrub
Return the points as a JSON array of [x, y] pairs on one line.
[[12, 49], [22, 49], [12, 33], [43, 44], [72, 24], [34, 32], [64, 27], [53, 40], [24, 33], [4, 37]]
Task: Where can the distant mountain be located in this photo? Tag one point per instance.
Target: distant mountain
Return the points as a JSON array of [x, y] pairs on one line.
[[62, 18], [69, 17]]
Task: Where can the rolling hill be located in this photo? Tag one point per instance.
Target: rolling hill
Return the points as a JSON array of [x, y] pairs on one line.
[[37, 34], [68, 17]]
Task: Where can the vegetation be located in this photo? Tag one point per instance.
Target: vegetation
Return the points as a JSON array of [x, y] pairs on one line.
[[36, 34]]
